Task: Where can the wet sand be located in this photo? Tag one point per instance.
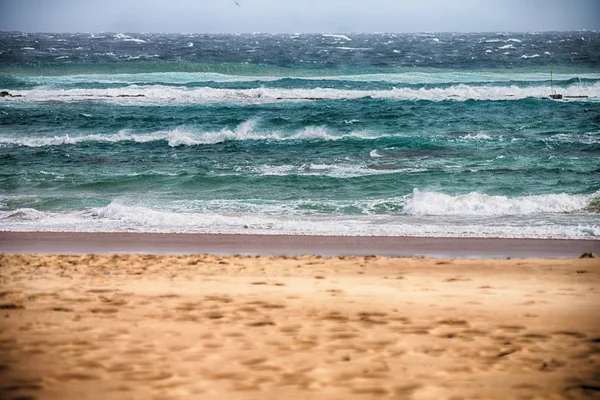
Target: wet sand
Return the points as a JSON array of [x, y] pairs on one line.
[[158, 243], [270, 327]]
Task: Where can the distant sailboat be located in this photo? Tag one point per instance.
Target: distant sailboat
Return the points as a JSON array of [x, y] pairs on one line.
[[553, 94], [558, 96]]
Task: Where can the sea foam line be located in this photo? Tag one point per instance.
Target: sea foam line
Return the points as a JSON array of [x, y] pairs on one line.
[[248, 130], [117, 217], [184, 137], [159, 94]]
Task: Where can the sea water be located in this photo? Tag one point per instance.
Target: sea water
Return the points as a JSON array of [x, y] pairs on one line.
[[326, 134]]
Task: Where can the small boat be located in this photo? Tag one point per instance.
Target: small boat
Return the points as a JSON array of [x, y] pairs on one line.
[[558, 96], [553, 94]]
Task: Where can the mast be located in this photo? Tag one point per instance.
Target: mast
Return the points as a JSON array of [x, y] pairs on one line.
[[553, 95]]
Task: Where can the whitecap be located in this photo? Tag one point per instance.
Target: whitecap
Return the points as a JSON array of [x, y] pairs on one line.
[[477, 136], [266, 217], [474, 203], [183, 136], [162, 94], [127, 38], [354, 48], [331, 35]]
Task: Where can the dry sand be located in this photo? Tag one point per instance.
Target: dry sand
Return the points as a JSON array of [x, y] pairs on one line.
[[307, 327]]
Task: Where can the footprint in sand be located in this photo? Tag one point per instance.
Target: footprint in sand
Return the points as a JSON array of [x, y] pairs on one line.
[[511, 328]]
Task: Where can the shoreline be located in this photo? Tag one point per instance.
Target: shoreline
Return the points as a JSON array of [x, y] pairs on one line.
[[229, 244]]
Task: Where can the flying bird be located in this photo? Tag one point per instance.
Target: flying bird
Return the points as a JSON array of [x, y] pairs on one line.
[[237, 4]]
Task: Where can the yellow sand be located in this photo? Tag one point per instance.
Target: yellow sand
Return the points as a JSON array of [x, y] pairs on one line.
[[308, 327]]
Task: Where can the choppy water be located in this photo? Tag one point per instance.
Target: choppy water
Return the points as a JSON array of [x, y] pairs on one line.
[[379, 134]]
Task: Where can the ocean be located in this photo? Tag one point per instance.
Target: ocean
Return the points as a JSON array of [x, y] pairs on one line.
[[431, 134]]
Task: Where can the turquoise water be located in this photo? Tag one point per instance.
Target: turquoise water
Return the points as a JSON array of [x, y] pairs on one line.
[[427, 135]]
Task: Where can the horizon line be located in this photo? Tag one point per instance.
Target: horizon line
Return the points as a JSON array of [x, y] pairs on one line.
[[307, 33]]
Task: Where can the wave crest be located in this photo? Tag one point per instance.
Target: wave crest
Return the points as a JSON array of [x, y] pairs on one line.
[[474, 203], [306, 217], [183, 136], [160, 94]]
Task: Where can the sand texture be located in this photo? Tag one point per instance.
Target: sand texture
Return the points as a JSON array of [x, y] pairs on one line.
[[303, 327]]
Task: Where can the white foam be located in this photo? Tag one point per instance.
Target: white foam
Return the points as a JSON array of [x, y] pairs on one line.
[[158, 94], [476, 136], [260, 217], [435, 203], [530, 56], [183, 136], [508, 46], [343, 37], [354, 48], [374, 154], [341, 171], [127, 38]]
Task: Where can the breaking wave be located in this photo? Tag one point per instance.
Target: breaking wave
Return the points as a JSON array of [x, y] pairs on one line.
[[183, 137], [443, 218], [435, 203], [160, 94]]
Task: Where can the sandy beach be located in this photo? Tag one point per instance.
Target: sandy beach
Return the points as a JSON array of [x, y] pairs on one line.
[[273, 326]]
